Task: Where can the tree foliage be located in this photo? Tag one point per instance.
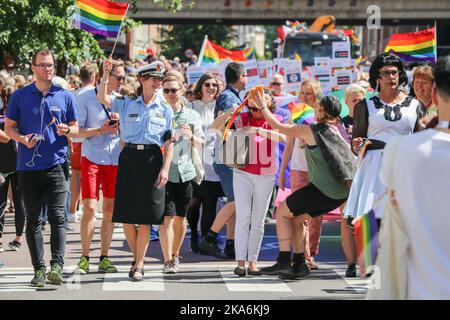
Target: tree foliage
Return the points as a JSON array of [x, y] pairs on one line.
[[177, 38]]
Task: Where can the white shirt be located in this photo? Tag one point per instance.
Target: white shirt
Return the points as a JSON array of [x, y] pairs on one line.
[[298, 159], [420, 178]]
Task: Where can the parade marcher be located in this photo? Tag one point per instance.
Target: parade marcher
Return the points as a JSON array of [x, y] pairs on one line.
[[294, 152], [253, 185], [330, 168], [100, 155], [188, 134], [236, 78], [145, 126], [87, 77], [423, 81], [207, 193], [40, 117], [379, 119], [414, 254]]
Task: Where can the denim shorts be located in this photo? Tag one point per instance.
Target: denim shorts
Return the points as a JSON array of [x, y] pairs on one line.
[[225, 174]]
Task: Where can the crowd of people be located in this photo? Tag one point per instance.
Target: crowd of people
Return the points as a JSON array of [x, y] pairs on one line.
[[150, 145]]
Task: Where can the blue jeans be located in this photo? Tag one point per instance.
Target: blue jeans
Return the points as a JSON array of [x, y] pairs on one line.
[[225, 174], [51, 186]]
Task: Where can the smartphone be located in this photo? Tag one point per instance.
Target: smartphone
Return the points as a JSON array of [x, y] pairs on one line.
[[113, 122], [36, 137]]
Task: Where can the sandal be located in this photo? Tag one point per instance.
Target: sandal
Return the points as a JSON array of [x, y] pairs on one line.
[[132, 270], [240, 271], [138, 277]]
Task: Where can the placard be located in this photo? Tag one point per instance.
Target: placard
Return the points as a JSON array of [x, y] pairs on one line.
[[194, 73], [341, 51]]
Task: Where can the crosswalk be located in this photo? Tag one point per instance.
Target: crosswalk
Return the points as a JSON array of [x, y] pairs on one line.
[[18, 279]]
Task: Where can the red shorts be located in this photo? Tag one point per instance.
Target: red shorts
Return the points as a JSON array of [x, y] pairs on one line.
[[75, 160], [92, 175]]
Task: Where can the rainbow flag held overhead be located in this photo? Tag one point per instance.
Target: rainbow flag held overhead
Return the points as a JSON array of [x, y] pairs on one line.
[[366, 233], [100, 17], [414, 46], [215, 53], [302, 113]]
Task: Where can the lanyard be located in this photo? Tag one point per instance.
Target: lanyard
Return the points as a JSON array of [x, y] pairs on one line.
[[175, 120]]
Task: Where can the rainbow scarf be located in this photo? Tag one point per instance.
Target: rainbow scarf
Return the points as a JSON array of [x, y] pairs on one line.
[[414, 46], [301, 113], [215, 53], [100, 17], [233, 117], [366, 233], [362, 151]]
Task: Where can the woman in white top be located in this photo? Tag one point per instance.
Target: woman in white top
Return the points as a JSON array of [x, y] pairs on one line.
[[379, 119], [295, 152], [207, 193]]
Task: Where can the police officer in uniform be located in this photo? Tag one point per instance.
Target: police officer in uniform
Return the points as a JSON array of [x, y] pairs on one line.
[[146, 127]]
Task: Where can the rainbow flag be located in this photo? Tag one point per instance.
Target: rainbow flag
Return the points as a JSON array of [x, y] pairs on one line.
[[414, 46], [366, 233], [100, 17], [301, 113], [215, 53]]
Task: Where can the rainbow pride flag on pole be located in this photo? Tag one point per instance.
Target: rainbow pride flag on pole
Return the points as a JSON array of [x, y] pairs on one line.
[[100, 17], [414, 46], [301, 113], [366, 233], [213, 53]]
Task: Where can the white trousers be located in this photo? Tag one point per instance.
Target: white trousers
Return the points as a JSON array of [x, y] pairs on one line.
[[252, 197]]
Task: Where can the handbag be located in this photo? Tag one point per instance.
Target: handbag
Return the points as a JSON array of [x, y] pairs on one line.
[[235, 151]]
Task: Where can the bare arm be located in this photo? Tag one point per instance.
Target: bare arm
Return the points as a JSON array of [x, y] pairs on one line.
[[164, 173], [220, 122], [272, 135], [4, 137], [13, 133], [101, 94], [287, 154]]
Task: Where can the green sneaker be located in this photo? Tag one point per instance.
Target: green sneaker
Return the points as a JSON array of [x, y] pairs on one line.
[[55, 275], [83, 266], [39, 278], [106, 266]]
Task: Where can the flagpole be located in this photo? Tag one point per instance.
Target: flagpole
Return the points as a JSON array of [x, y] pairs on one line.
[[435, 37], [118, 34], [202, 51]]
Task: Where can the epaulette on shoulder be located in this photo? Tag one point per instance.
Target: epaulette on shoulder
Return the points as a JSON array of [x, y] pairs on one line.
[[120, 97], [132, 96]]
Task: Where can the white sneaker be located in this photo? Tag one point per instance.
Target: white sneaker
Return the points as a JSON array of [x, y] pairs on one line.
[[98, 216], [72, 218], [169, 268]]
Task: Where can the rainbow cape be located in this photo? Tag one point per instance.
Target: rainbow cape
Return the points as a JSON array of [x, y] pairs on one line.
[[366, 233], [100, 17], [215, 53], [301, 113], [414, 46]]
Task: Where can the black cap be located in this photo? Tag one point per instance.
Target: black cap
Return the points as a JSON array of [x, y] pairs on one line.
[[331, 104]]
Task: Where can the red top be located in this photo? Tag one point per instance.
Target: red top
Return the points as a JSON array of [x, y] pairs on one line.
[[262, 150]]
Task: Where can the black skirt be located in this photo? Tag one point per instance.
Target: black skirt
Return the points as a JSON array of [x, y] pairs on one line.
[[138, 200]]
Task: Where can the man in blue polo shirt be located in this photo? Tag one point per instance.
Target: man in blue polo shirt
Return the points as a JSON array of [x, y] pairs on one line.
[[40, 117]]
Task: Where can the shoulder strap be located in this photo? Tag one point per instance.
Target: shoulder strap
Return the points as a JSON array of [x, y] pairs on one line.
[[104, 108]]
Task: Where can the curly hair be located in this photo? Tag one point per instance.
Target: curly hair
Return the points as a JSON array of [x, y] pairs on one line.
[[386, 59]]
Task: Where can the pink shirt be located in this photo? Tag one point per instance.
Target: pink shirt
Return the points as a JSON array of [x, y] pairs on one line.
[[262, 156]]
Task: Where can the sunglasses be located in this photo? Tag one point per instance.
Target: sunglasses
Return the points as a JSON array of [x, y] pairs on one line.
[[209, 85], [189, 92], [253, 109], [276, 84], [170, 90], [119, 78], [389, 73]]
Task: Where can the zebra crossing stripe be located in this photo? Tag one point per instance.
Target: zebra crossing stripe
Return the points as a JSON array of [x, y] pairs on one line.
[[16, 280], [253, 284], [153, 281]]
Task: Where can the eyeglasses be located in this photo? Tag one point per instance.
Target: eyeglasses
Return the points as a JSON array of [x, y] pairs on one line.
[[119, 78], [170, 90], [209, 85], [245, 75], [44, 66], [276, 83], [252, 109], [388, 73]]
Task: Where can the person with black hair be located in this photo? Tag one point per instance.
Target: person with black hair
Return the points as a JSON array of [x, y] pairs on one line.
[[376, 121], [414, 238]]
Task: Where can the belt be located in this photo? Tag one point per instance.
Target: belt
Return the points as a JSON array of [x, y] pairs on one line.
[[376, 144], [139, 146]]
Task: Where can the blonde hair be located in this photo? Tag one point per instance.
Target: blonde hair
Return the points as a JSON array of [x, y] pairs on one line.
[[173, 78], [354, 88], [423, 72], [314, 84]]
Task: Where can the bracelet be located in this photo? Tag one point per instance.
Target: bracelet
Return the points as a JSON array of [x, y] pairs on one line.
[[68, 130], [104, 82]]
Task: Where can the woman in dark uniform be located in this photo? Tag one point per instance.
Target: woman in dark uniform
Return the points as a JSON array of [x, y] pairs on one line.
[[146, 126]]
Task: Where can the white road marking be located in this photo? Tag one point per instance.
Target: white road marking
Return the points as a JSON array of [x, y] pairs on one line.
[[253, 283], [153, 281]]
